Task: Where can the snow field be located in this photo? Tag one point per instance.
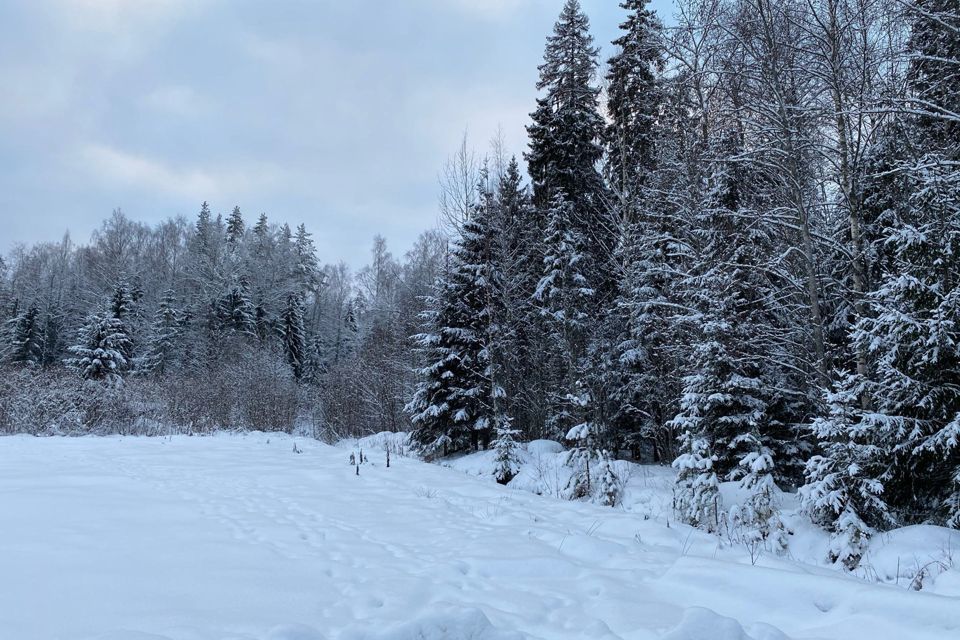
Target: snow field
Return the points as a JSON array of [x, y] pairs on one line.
[[236, 537]]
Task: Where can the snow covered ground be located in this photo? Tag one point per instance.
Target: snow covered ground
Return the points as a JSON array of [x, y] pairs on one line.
[[238, 537]]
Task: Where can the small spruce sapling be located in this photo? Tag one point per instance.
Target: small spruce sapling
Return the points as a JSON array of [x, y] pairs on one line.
[[507, 453], [608, 483]]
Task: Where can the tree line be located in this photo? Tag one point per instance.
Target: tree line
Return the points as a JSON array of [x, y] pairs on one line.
[[208, 324]]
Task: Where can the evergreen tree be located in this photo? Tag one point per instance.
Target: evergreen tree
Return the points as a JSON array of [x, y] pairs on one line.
[[633, 100], [434, 412], [521, 264], [27, 338], [564, 296], [318, 360], [204, 229], [508, 458], [567, 126], [933, 76], [462, 395], [236, 311], [235, 227], [100, 354], [914, 391], [844, 490], [608, 482], [164, 351], [293, 334], [696, 494], [306, 269], [121, 302], [122, 310], [726, 406], [262, 228]]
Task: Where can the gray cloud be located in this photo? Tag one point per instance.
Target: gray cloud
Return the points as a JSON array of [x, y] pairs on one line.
[[336, 114]]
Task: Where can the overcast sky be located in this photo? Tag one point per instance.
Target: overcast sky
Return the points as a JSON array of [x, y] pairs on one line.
[[336, 113]]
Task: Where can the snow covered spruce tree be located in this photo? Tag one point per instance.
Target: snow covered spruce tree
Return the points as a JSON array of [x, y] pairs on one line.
[[730, 405], [844, 490], [164, 350], [461, 399], [26, 338], [572, 210], [521, 339], [508, 452], [934, 83], [235, 228], [293, 335], [100, 354], [633, 103], [235, 311], [913, 395], [565, 295], [567, 128]]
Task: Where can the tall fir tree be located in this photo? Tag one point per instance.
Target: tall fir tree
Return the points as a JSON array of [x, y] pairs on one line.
[[633, 101], [26, 339], [567, 128], [910, 337], [235, 228], [565, 297], [462, 397], [306, 270], [165, 348], [293, 334]]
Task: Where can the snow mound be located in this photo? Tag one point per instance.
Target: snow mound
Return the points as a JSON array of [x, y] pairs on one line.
[[396, 442], [448, 624], [912, 556], [699, 623], [544, 447]]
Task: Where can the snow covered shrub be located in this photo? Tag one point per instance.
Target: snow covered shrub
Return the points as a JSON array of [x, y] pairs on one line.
[[38, 401], [197, 404], [266, 392]]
